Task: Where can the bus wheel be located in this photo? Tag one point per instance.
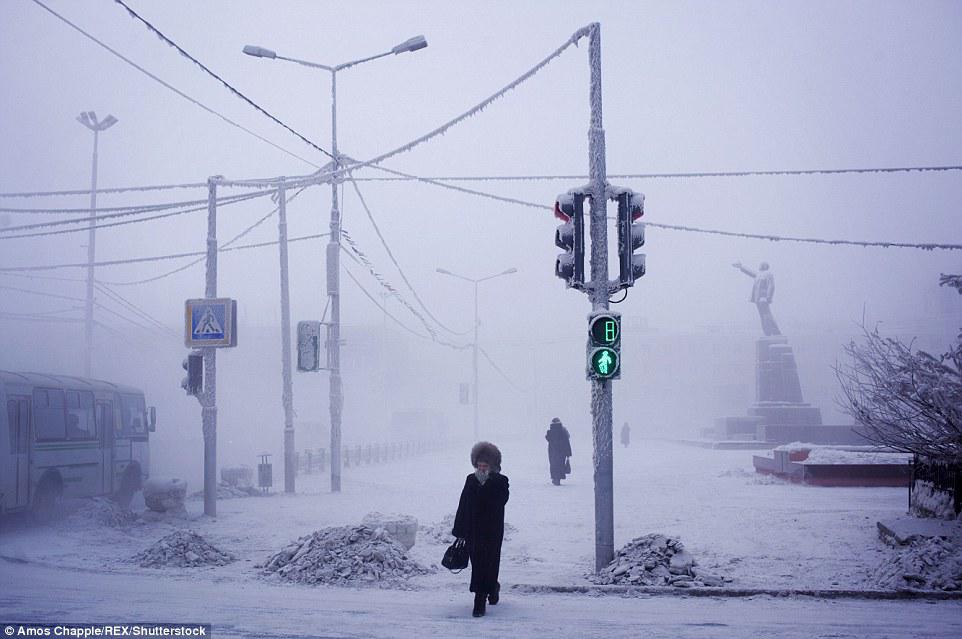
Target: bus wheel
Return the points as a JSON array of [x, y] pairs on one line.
[[48, 503]]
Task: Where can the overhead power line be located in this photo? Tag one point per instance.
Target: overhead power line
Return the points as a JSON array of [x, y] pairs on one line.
[[176, 90], [228, 243], [629, 176], [121, 189], [224, 82], [390, 254], [925, 246]]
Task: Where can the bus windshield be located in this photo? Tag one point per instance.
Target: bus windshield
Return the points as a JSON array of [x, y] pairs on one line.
[[133, 416]]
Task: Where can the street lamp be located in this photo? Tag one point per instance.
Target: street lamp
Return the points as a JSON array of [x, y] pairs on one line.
[[474, 358], [89, 120], [334, 245]]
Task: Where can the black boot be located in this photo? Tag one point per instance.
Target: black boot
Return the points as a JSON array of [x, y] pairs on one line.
[[478, 604], [495, 596]]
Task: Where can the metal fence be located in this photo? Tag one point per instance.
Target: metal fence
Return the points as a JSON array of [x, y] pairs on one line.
[[945, 478], [317, 459]]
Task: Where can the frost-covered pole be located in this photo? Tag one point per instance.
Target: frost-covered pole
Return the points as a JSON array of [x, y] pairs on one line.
[[336, 399], [209, 403], [600, 388], [287, 393], [91, 256]]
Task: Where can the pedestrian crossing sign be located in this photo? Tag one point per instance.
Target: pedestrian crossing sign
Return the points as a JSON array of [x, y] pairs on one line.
[[210, 322]]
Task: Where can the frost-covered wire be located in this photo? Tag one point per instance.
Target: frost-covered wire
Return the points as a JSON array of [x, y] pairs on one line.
[[461, 189], [140, 208], [925, 246], [118, 189], [131, 211], [130, 306], [407, 328], [630, 176], [224, 82], [169, 86], [390, 254], [231, 241], [498, 368], [360, 258], [42, 293], [12, 270]]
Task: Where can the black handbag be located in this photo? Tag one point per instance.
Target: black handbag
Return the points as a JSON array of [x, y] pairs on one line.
[[456, 556], [567, 466]]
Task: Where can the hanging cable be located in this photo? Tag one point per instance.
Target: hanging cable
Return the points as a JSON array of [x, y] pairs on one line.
[[503, 374], [172, 88], [243, 233], [224, 82], [390, 253], [645, 176]]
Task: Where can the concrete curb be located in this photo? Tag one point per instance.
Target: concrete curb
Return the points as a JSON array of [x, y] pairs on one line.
[[655, 591]]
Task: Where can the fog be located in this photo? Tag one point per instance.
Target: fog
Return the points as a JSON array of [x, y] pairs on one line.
[[688, 87]]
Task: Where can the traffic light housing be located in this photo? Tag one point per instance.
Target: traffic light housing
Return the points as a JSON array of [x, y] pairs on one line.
[[631, 236], [604, 345], [194, 382], [570, 236]]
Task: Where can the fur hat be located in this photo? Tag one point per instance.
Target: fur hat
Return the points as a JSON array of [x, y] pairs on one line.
[[486, 452], [555, 420]]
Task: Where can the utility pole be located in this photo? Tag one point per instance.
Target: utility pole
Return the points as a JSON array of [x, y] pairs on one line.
[[287, 393], [474, 363], [477, 323], [336, 397], [601, 397], [89, 120], [209, 396]]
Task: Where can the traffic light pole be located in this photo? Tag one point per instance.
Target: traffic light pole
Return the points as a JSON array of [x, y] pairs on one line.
[[601, 397], [209, 396]]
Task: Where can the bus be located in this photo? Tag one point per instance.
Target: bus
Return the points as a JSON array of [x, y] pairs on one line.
[[63, 437]]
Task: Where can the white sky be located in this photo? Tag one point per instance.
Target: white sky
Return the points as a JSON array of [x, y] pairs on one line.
[[689, 86]]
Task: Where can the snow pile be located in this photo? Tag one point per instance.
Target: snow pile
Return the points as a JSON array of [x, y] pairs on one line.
[[346, 555], [106, 512], [928, 501], [836, 456], [184, 549], [931, 563], [440, 532], [656, 560]]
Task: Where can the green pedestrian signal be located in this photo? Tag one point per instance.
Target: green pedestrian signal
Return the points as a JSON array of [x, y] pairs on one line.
[[604, 345], [604, 362]]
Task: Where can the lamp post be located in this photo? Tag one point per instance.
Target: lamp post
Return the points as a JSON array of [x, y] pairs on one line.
[[474, 357], [336, 397], [89, 120]]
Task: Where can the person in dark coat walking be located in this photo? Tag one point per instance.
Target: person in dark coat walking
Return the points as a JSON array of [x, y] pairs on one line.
[[559, 450], [480, 522]]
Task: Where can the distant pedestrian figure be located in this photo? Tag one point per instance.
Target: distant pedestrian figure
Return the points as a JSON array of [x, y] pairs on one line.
[[480, 522], [625, 435], [559, 450]]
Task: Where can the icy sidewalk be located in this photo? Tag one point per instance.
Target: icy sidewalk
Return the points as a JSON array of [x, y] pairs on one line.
[[267, 611], [760, 532]]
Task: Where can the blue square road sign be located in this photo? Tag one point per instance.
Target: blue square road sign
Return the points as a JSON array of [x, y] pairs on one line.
[[210, 322]]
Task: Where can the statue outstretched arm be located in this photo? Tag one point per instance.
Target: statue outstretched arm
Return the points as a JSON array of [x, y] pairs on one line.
[[747, 271]]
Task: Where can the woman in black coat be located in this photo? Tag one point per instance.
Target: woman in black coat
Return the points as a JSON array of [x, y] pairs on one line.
[[559, 450], [480, 522]]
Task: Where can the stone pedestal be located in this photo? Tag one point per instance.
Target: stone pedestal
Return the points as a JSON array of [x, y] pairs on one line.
[[779, 405]]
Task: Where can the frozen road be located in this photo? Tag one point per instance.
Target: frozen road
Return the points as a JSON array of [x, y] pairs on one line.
[[253, 609]]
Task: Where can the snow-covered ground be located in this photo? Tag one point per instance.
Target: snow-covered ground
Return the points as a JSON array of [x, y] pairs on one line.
[[761, 532]]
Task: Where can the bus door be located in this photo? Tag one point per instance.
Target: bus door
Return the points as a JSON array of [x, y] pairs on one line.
[[18, 414], [105, 425]]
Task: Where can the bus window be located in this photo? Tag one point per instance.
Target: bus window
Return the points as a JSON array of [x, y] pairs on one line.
[[80, 415], [132, 413], [49, 422], [105, 419]]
